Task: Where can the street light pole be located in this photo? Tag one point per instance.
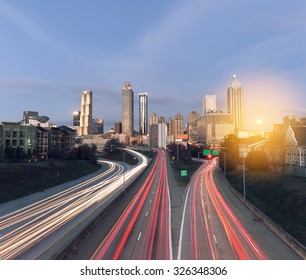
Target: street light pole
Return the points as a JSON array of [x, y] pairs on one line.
[[124, 170], [243, 176], [224, 166]]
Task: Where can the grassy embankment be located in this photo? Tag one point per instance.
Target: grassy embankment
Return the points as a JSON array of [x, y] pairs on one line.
[[20, 179], [281, 197]]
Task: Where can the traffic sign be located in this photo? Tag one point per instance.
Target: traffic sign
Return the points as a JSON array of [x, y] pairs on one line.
[[183, 173]]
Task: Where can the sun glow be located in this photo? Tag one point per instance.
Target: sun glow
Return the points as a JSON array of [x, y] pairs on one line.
[[268, 97]]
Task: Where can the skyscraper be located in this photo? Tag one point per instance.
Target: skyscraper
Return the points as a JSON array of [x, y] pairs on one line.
[[127, 109], [158, 135], [193, 118], [86, 113], [153, 118], [76, 118], [209, 104], [143, 113], [118, 127], [235, 103], [178, 124]]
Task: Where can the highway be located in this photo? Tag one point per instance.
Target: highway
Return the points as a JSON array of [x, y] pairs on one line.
[[39, 229], [211, 228], [215, 224], [143, 231]]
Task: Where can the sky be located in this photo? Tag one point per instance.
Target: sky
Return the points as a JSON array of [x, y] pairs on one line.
[[176, 50]]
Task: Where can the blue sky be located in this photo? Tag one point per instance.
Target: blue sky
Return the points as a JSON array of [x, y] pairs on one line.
[[177, 51]]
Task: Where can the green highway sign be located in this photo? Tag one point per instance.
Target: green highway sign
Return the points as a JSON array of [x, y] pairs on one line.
[[183, 173], [215, 152], [206, 152]]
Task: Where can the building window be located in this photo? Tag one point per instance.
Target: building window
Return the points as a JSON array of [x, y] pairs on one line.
[[14, 134], [21, 134]]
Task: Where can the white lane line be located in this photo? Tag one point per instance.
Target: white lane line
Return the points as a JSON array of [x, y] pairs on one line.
[[139, 235], [215, 239], [147, 213], [170, 233], [182, 225]]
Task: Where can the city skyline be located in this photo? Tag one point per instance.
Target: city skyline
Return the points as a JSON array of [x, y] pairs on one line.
[[177, 61]]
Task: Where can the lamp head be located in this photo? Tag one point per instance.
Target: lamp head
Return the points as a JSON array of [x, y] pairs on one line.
[[42, 119]]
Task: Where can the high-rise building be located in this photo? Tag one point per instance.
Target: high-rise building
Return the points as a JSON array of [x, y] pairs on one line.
[[235, 103], [158, 135], [170, 126], [193, 118], [153, 118], [213, 127], [76, 118], [86, 113], [178, 124], [209, 104], [127, 109], [143, 113], [161, 119], [98, 126], [118, 127]]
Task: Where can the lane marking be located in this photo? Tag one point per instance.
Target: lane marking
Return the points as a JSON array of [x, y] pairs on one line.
[[182, 226], [215, 239], [139, 235], [147, 213]]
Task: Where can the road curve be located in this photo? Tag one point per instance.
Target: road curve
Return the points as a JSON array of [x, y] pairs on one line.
[[28, 232], [210, 229]]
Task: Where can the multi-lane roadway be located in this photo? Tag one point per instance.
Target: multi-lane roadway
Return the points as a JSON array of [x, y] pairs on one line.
[[210, 229], [44, 226], [215, 224], [143, 231]]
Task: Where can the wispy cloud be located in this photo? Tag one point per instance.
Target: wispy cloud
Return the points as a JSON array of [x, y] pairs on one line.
[[32, 26]]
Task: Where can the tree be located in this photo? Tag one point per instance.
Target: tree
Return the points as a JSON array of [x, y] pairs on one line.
[[277, 151], [87, 152], [257, 160], [229, 150], [29, 154], [111, 145]]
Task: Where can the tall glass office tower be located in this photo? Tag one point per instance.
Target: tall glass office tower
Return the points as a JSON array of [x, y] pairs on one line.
[[143, 113], [235, 103], [86, 113], [127, 109]]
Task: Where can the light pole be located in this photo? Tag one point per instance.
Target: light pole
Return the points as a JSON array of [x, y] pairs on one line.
[[123, 170], [42, 119], [123, 154], [243, 176], [177, 153], [224, 163]]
